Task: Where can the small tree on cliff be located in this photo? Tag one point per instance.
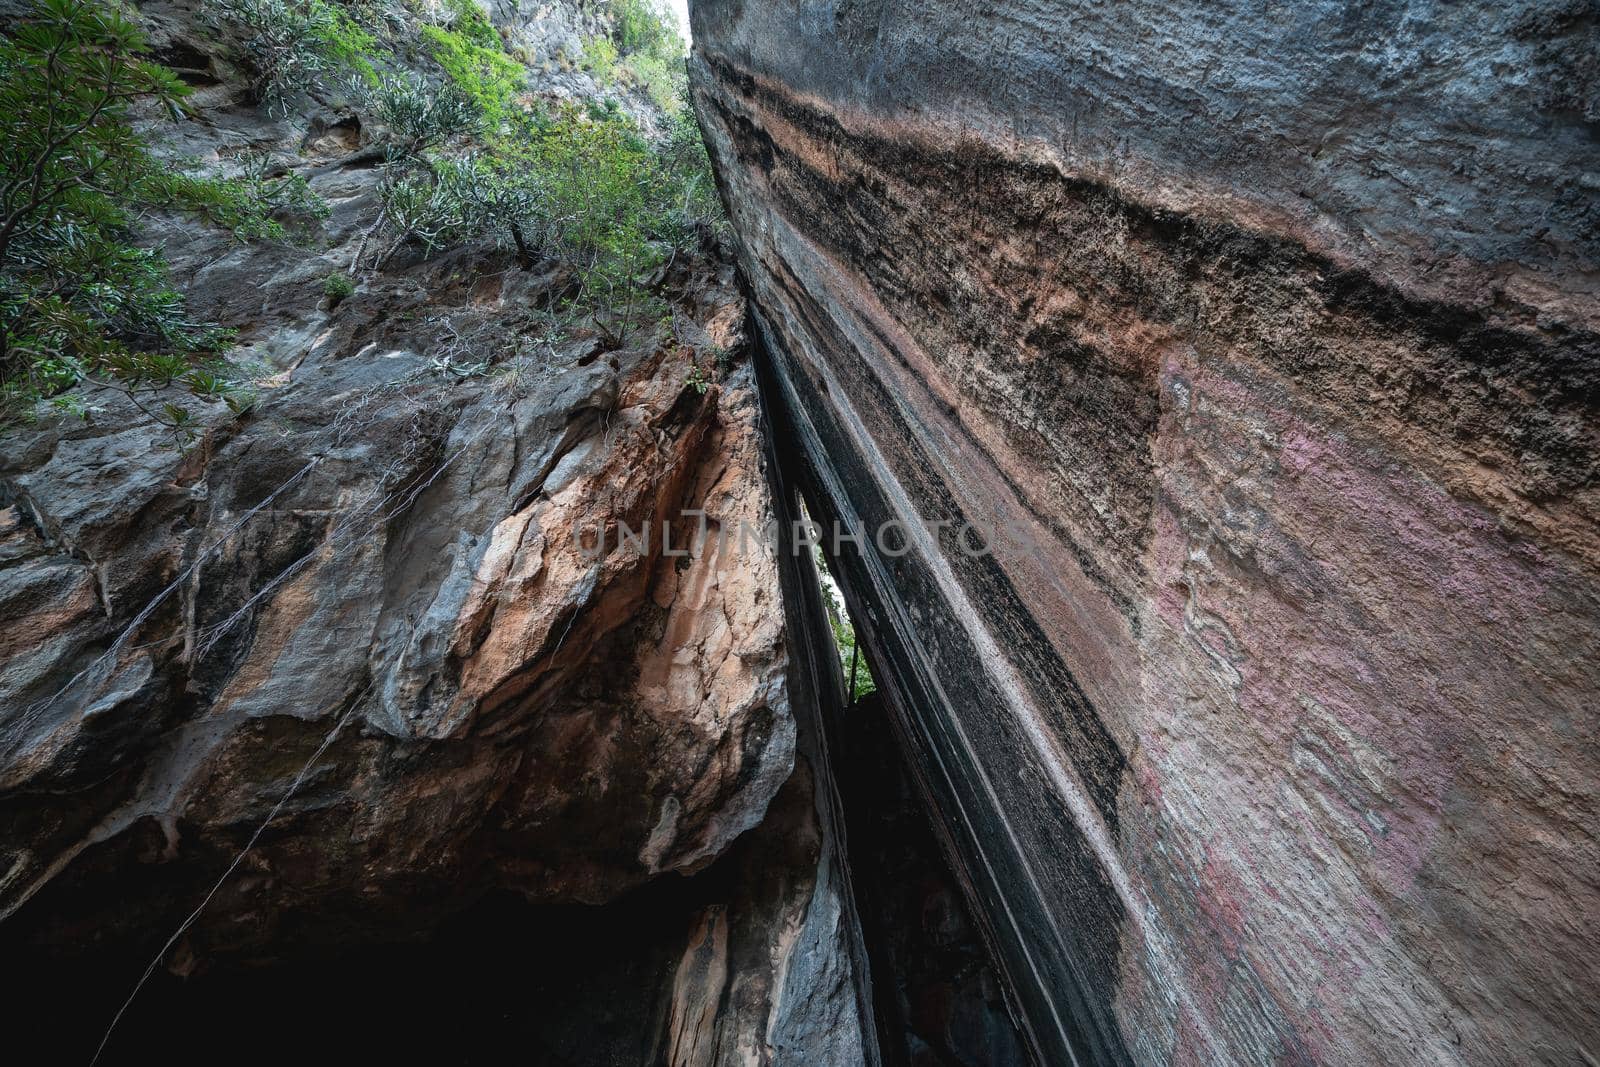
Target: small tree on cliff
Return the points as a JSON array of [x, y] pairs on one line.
[[78, 300]]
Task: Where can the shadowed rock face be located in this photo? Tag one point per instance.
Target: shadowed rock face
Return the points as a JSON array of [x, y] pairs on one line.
[[407, 557], [1264, 732]]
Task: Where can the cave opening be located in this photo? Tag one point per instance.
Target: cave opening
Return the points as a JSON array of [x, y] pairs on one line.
[[503, 979]]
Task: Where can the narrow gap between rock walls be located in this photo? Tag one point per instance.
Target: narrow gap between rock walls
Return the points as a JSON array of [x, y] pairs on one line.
[[935, 993], [858, 683]]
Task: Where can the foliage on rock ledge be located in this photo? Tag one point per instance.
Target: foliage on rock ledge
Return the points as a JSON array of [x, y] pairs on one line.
[[79, 300], [643, 49], [470, 156], [294, 44]]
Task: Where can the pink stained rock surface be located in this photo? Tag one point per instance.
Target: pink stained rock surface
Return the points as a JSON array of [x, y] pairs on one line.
[[1273, 739]]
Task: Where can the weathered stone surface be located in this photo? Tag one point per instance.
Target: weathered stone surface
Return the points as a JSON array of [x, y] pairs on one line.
[[361, 638], [422, 573], [767, 976], [1266, 734]]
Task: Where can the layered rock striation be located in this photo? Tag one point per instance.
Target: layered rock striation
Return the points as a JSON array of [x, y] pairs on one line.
[[1261, 349]]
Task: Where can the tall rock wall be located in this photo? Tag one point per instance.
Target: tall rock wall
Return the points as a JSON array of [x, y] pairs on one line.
[[1266, 338]]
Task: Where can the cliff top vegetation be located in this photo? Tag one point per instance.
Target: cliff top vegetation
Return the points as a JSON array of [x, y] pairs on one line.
[[470, 152]]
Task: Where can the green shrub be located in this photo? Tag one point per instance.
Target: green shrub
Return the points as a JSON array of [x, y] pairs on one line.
[[440, 203], [600, 58], [645, 50], [603, 109], [430, 205], [79, 301], [696, 379], [468, 19], [645, 27], [419, 115], [597, 184], [659, 77], [338, 287], [859, 684], [296, 43], [690, 185], [507, 207], [250, 204], [579, 183], [594, 178], [482, 72]]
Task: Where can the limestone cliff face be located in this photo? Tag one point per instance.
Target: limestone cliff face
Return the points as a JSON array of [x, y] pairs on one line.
[[1268, 339]]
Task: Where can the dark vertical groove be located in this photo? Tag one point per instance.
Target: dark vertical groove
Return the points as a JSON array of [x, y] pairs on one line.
[[1062, 988], [816, 691]]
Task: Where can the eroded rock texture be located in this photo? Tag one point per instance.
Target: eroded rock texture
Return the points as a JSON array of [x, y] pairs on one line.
[[1265, 733], [422, 580]]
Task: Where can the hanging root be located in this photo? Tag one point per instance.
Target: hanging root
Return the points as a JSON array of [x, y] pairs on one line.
[[183, 927]]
